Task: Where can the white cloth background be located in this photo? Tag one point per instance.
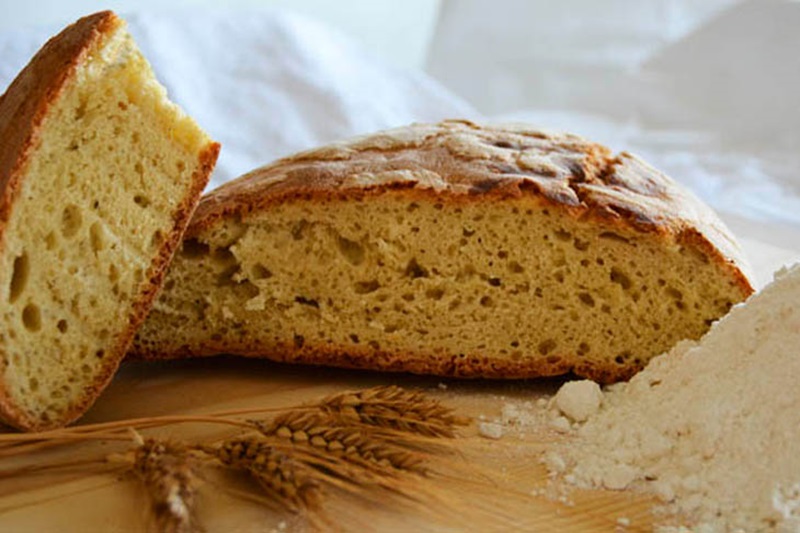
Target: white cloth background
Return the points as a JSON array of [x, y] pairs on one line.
[[706, 90]]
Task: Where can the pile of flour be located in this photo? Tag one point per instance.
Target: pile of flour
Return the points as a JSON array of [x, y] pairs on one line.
[[712, 427]]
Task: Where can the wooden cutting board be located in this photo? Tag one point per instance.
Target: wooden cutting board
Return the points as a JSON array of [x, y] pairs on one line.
[[488, 485]]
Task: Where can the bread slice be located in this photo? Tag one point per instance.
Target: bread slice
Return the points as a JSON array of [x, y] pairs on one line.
[[449, 249], [99, 175]]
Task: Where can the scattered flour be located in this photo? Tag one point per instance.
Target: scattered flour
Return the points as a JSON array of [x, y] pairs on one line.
[[490, 430], [579, 400], [712, 427]]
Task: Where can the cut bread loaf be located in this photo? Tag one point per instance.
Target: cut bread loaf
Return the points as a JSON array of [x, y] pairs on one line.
[[99, 174], [449, 249]]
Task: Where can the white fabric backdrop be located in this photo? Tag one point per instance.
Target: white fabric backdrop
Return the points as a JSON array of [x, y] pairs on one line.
[[706, 90]]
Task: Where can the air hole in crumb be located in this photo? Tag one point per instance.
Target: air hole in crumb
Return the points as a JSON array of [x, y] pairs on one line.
[[468, 232], [581, 245], [194, 249], [100, 353], [62, 326], [586, 298], [495, 282], [515, 267], [619, 277], [141, 200], [113, 273], [259, 271], [435, 294], [19, 277], [553, 359], [71, 220], [414, 270], [32, 317], [33, 384], [354, 338], [583, 349], [299, 228], [307, 301], [157, 239], [374, 345], [97, 237], [299, 341], [502, 254], [611, 236], [51, 241], [515, 344], [674, 293], [562, 235], [547, 346], [138, 168], [223, 256], [559, 277], [487, 301], [352, 251], [408, 297], [366, 287], [181, 166]]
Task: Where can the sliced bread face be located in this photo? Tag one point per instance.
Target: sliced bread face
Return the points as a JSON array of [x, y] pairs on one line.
[[100, 174], [450, 249]]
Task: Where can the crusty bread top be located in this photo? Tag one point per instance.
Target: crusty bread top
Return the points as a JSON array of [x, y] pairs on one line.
[[464, 161], [25, 103]]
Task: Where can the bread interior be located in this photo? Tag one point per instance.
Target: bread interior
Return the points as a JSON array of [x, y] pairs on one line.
[[511, 284], [111, 164]]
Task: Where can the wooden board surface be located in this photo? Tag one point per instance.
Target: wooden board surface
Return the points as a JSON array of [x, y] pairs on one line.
[[493, 485]]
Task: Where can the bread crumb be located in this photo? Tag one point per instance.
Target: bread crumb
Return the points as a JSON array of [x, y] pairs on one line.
[[578, 400], [442, 386], [490, 430]]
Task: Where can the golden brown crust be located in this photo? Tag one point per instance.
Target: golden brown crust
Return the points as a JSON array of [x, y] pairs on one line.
[[23, 108], [462, 365], [462, 161]]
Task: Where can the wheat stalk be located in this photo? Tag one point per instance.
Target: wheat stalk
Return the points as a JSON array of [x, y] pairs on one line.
[[279, 474], [168, 472], [395, 408], [328, 434], [356, 441]]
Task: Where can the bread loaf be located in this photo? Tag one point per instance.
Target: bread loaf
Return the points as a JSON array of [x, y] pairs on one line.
[[99, 175], [449, 249]]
